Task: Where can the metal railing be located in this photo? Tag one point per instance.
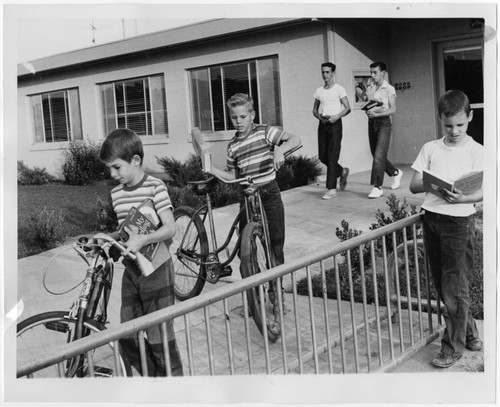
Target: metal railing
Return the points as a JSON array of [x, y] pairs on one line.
[[374, 320]]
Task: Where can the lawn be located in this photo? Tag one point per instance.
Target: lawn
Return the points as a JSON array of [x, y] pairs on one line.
[[78, 203]]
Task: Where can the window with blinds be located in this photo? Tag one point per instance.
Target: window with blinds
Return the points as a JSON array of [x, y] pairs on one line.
[[211, 87], [56, 116], [138, 104]]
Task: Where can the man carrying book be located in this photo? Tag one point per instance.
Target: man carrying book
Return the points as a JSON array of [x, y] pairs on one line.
[[380, 112], [123, 154], [448, 223], [330, 105]]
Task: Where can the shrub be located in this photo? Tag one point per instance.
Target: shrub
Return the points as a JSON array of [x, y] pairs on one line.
[[32, 176], [184, 197], [105, 215], [42, 231], [304, 169], [82, 165], [180, 173], [284, 177], [397, 211], [347, 233], [331, 286]]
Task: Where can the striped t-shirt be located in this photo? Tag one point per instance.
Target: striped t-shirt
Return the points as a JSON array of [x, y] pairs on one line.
[[125, 198], [251, 154]]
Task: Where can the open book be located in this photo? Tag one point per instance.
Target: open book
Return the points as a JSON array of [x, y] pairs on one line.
[[467, 184], [145, 220]]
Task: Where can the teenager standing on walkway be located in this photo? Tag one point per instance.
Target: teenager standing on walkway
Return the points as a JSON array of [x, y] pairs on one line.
[[380, 129], [330, 105]]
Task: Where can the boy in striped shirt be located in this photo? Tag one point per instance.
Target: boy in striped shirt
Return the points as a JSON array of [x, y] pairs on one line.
[[123, 154], [256, 149]]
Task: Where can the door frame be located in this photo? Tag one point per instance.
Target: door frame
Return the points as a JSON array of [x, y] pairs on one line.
[[438, 67]]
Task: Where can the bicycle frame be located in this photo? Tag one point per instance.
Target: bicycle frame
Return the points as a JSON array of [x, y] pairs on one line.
[[254, 212]]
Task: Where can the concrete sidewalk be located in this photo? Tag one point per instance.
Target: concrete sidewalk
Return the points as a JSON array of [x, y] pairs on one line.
[[310, 225]]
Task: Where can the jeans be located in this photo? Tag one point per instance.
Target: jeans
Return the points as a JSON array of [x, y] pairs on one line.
[[449, 242], [144, 295], [275, 213], [379, 135], [329, 141]]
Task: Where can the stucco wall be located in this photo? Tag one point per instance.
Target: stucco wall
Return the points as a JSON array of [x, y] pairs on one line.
[[300, 52], [411, 60], [404, 45]]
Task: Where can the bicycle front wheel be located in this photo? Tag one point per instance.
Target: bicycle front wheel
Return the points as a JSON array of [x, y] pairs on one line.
[[43, 332], [189, 248], [254, 259]]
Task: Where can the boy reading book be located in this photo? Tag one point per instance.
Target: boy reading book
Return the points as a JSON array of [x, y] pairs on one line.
[[448, 223]]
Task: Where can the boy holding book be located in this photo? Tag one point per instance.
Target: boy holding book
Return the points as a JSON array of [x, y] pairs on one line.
[[449, 225], [254, 150], [123, 154]]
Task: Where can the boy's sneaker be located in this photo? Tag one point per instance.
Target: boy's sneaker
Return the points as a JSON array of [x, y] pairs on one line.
[[442, 360], [397, 180], [474, 344], [331, 193], [343, 178], [376, 193]]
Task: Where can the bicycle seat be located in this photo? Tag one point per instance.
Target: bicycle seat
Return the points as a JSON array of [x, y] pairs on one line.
[[204, 186]]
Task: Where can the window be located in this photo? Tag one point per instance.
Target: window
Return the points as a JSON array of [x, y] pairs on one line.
[[137, 104], [211, 88], [56, 116]]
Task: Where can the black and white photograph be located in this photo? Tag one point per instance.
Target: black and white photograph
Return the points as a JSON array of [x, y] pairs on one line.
[[226, 203]]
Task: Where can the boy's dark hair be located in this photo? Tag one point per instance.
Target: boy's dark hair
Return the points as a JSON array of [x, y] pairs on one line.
[[241, 99], [379, 64], [121, 144], [453, 102], [329, 65]]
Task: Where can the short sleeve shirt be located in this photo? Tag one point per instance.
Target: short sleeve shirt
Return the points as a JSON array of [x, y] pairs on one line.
[[382, 94], [124, 198], [329, 99], [252, 155], [452, 162]]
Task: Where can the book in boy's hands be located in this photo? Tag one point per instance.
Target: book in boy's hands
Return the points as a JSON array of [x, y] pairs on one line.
[[201, 149], [145, 220], [371, 104], [467, 184]]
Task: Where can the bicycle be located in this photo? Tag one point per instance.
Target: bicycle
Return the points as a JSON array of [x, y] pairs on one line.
[[195, 264], [87, 316]]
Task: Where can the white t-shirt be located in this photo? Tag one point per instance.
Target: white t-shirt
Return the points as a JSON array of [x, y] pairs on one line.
[[381, 94], [330, 99], [451, 162]]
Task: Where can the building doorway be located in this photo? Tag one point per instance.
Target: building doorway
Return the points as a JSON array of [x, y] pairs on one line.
[[460, 66]]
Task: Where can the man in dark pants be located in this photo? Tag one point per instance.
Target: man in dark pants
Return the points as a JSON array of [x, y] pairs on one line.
[[330, 105]]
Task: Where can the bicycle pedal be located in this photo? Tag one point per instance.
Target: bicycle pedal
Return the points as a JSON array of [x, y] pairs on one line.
[[227, 271], [101, 371], [57, 326]]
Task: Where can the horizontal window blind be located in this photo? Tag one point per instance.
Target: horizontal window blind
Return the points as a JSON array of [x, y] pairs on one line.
[[211, 87], [138, 104], [56, 116]]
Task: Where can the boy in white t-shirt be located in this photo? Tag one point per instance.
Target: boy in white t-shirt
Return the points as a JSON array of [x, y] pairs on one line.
[[449, 225], [330, 105]]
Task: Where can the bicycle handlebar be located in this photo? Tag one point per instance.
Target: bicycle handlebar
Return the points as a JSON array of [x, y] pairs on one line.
[[265, 174], [144, 264]]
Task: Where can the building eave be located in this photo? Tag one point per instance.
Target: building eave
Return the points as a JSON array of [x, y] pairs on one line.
[[180, 36]]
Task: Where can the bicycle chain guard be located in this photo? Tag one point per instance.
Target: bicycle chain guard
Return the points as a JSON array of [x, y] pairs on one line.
[[212, 266]]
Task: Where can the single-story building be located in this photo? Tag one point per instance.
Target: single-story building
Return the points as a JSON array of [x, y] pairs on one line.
[[163, 84]]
